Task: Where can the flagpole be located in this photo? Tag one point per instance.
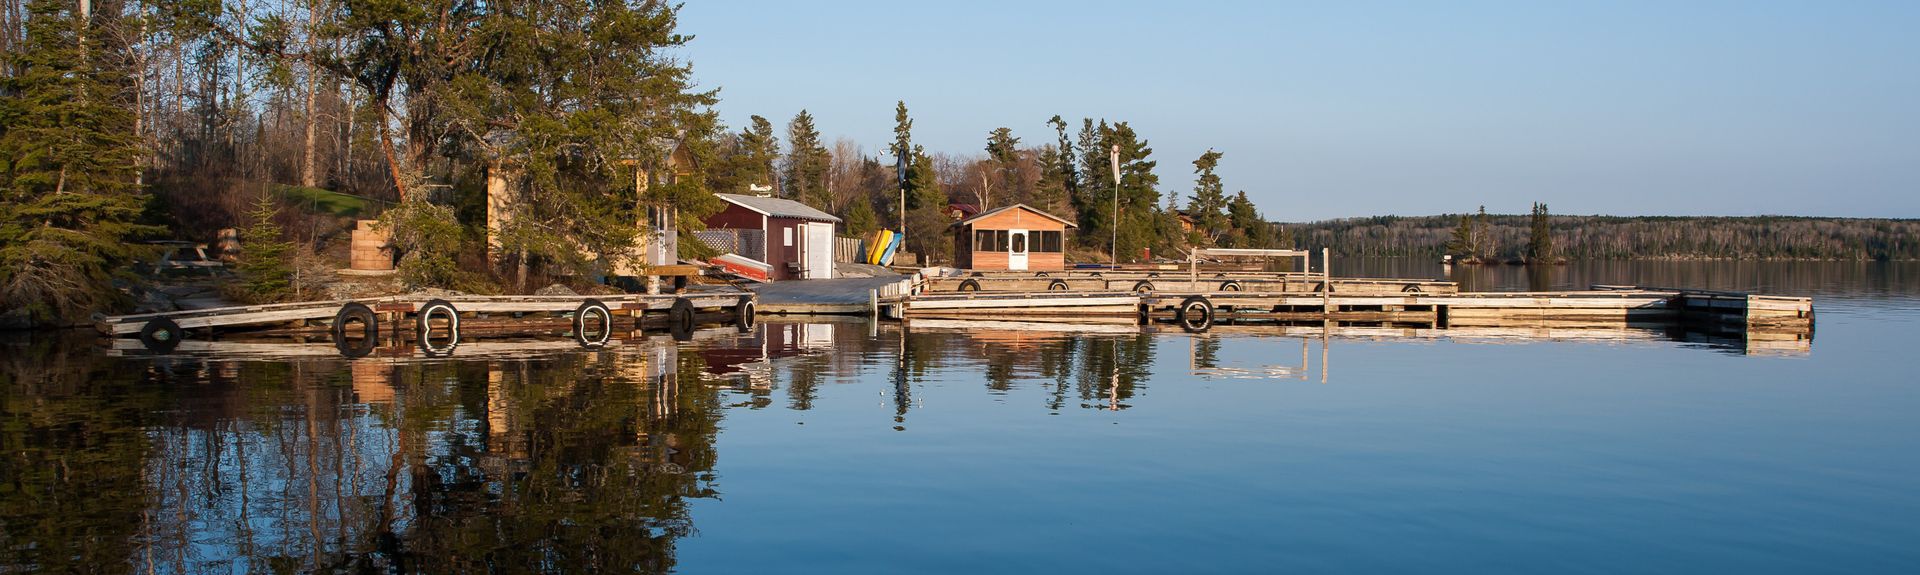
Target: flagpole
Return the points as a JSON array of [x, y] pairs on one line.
[[1113, 249]]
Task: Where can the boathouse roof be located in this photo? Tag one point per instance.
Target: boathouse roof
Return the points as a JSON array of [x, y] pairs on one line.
[[779, 208]]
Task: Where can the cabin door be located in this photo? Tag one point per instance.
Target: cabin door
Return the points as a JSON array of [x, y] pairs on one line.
[[1016, 249]]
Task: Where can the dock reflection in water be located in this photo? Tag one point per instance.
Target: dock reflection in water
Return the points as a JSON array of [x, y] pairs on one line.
[[513, 456]]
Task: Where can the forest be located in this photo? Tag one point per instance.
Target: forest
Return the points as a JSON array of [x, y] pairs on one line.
[[127, 121], [1509, 237]]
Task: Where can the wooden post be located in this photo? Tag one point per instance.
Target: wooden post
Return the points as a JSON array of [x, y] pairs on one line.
[[1193, 267]]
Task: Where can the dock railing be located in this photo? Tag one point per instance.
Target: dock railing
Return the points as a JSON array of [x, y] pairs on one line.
[[1304, 256]]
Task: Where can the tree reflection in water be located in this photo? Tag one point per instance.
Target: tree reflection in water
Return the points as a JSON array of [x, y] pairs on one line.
[[574, 462]]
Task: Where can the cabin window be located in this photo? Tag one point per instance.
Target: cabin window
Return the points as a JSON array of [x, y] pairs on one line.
[[1020, 243], [786, 235], [990, 241], [1050, 242]]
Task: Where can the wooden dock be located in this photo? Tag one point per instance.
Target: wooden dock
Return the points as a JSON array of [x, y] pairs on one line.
[[1201, 310], [1181, 282], [360, 322]]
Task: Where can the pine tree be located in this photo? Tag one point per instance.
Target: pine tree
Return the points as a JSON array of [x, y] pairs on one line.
[[1092, 202], [266, 274], [904, 160], [746, 159], [1540, 245], [1484, 247], [1062, 165], [68, 198], [1142, 224], [1050, 194], [757, 152], [1461, 246], [807, 164], [1246, 225], [860, 218], [1209, 202], [1003, 154]]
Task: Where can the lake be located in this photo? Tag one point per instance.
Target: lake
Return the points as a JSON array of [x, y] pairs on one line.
[[847, 446]]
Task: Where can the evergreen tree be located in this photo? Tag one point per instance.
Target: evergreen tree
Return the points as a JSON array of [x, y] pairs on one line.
[[1092, 202], [1247, 228], [1142, 224], [573, 97], [266, 274], [1062, 165], [1050, 194], [1540, 245], [1461, 245], [861, 219], [1003, 154], [68, 165], [807, 164], [906, 162], [745, 159], [1484, 246], [1209, 201], [750, 162]]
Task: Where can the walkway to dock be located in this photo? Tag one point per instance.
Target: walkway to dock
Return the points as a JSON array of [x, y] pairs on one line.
[[835, 296]]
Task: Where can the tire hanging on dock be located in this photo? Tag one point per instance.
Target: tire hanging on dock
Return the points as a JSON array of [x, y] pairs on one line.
[[681, 317], [1410, 288], [369, 330], [1057, 285], [423, 326], [161, 335], [1230, 285], [588, 308], [1143, 286], [1195, 314], [969, 285], [743, 314]]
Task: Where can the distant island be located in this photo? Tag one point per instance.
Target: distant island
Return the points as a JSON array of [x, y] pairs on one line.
[[1507, 237]]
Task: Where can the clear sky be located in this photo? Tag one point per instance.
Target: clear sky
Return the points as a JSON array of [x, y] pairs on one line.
[[1351, 108]]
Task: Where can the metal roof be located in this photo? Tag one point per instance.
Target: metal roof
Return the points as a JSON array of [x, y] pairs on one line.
[[779, 208], [977, 216]]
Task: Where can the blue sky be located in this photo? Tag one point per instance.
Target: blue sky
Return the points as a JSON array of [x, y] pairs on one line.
[[1336, 109]]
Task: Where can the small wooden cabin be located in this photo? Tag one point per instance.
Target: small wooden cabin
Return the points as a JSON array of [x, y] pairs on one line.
[[794, 238], [1015, 237]]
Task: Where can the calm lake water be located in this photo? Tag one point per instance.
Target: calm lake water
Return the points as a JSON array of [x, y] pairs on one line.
[[851, 447]]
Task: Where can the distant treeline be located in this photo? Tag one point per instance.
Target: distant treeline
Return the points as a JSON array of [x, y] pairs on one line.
[[1615, 237]]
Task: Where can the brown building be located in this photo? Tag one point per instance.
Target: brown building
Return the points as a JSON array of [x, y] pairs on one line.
[[793, 238], [1015, 237]]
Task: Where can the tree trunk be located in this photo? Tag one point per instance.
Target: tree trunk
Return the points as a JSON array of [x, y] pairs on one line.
[[307, 176], [386, 147], [520, 273]]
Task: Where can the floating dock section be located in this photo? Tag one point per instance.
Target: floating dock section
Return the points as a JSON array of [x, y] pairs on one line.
[[1200, 310]]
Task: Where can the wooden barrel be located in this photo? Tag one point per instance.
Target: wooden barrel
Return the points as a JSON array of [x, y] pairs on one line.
[[370, 250], [227, 241]]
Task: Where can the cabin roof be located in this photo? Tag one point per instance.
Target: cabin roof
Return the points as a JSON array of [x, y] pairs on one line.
[[778, 208], [997, 210]]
